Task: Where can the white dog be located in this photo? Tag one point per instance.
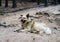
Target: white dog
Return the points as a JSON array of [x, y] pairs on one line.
[[41, 27], [30, 24]]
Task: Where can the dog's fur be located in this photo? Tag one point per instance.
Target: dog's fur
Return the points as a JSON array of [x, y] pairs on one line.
[[30, 24]]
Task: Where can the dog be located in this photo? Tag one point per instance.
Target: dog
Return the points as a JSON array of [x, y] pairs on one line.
[[25, 23], [29, 24]]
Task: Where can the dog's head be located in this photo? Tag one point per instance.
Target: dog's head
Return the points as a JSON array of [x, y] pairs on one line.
[[24, 19]]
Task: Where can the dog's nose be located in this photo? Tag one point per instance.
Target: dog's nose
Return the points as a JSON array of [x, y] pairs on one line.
[[23, 21]]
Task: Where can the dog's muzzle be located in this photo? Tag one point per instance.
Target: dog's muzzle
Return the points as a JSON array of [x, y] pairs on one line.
[[23, 21]]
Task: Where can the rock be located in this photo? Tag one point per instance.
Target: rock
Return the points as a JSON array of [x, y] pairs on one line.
[[4, 22], [1, 14], [47, 14], [38, 13], [11, 25], [50, 20], [55, 28], [33, 38], [3, 25], [58, 10], [17, 31], [57, 19]]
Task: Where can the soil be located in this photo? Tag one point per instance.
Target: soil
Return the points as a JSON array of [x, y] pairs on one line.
[[7, 34]]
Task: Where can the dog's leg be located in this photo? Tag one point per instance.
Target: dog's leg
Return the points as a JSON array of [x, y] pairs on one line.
[[32, 27], [21, 29], [40, 31]]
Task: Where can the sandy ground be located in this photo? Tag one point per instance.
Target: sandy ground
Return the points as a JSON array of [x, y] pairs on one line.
[[7, 34]]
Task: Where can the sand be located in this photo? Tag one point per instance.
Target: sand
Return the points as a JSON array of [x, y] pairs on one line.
[[7, 34]]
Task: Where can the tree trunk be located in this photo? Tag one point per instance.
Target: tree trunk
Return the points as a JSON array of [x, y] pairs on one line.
[[55, 2], [38, 1], [59, 1], [33, 0], [46, 3], [14, 3], [0, 2], [6, 3]]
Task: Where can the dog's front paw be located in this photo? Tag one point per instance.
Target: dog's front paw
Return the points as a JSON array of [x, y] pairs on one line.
[[16, 31], [40, 32]]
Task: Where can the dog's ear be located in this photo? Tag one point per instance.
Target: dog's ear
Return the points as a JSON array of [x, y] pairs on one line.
[[27, 15], [20, 16]]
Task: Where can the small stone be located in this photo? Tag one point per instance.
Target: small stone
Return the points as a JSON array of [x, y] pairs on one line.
[[4, 26], [50, 20], [33, 38], [40, 13], [37, 32], [47, 14], [58, 10], [1, 14], [37, 13], [11, 25], [17, 31], [31, 32], [57, 19], [21, 15], [55, 28], [4, 22]]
